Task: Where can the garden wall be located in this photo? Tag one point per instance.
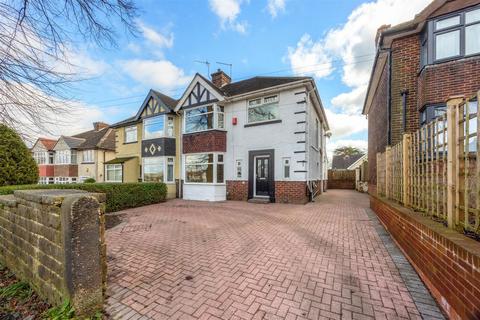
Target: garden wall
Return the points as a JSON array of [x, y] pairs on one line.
[[447, 261], [55, 240]]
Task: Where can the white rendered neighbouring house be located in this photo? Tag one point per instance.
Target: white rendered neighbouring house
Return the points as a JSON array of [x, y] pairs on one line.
[[262, 138]]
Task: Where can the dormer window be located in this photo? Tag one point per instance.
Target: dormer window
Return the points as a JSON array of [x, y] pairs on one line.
[[451, 37]]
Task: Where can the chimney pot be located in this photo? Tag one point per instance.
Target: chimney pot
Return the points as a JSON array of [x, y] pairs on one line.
[[220, 78]]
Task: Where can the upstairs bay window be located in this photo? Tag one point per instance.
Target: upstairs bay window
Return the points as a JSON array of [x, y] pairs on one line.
[[204, 168], [263, 109], [40, 157], [451, 37], [155, 127], [204, 118], [66, 157]]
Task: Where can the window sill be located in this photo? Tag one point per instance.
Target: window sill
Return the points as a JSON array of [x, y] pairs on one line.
[[131, 142], [254, 124], [202, 131], [203, 184], [88, 162]]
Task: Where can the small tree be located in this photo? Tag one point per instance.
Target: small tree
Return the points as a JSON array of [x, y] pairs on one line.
[[347, 151], [17, 165]]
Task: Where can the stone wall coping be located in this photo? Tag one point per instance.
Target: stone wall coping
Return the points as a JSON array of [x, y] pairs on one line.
[[8, 200], [464, 242], [54, 196]]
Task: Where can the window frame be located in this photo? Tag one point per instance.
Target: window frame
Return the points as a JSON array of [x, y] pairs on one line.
[[125, 134], [165, 162], [262, 104], [107, 169], [216, 110], [89, 159], [215, 163], [429, 35], [284, 166], [239, 165]]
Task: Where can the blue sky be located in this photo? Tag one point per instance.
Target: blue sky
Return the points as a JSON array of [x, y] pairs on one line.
[[332, 41]]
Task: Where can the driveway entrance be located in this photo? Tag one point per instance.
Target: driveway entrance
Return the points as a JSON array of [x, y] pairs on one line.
[[236, 260]]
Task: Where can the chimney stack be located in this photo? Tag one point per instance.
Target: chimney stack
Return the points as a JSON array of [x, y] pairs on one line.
[[220, 78], [97, 126]]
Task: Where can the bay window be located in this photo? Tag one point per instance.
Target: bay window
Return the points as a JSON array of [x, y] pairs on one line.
[[204, 168], [155, 127], [454, 36], [204, 118], [114, 173], [131, 134], [263, 109], [159, 169], [40, 157], [66, 157]]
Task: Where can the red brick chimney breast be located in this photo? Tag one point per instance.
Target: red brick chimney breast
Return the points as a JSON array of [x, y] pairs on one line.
[[220, 78]]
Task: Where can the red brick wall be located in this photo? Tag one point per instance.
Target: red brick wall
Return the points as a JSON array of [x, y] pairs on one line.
[[377, 126], [46, 170], [208, 141], [405, 68], [291, 192], [237, 190], [448, 262], [439, 82], [66, 170]]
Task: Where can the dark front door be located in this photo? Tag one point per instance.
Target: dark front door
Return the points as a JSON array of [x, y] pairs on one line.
[[262, 181]]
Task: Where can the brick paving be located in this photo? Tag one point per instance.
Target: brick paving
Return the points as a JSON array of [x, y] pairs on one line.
[[236, 260]]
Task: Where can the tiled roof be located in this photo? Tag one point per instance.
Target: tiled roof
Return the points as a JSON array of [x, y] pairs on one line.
[[169, 101], [72, 142], [343, 162], [257, 83], [48, 143], [101, 139]]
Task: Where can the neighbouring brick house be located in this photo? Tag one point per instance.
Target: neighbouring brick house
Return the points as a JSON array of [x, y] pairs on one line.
[[418, 66], [72, 159], [262, 138]]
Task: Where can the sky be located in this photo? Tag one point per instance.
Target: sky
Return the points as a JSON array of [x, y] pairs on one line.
[[330, 40]]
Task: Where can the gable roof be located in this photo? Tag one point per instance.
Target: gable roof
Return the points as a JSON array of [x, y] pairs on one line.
[[49, 144], [357, 163], [71, 142], [168, 102], [217, 93], [341, 162], [101, 139]]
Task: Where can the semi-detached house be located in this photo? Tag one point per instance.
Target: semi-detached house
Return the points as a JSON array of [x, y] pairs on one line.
[[262, 138]]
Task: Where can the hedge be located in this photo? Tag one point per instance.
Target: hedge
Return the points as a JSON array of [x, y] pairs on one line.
[[119, 196]]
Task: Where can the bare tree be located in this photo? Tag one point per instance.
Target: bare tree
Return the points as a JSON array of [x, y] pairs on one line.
[[35, 71]]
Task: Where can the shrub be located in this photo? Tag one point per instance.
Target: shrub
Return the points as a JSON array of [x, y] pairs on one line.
[[17, 165], [120, 196], [89, 180]]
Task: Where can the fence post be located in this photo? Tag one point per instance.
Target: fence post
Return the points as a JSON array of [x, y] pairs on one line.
[[406, 168], [388, 168], [452, 123]]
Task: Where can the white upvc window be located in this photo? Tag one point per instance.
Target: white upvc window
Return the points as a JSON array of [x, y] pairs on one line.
[[114, 172], [158, 169], [204, 168], [41, 157], [286, 168], [317, 134], [131, 134], [263, 109], [238, 169], [204, 118], [88, 156], [158, 127], [66, 157]]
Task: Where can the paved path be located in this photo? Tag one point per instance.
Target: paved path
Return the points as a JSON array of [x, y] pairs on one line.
[[235, 260]]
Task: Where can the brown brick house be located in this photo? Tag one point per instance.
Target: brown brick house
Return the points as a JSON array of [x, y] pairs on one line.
[[418, 65]]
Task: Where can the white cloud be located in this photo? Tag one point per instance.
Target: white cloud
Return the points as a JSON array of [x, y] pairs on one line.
[[353, 43], [156, 38], [81, 63], [159, 74], [228, 11], [310, 58], [275, 6], [343, 125]]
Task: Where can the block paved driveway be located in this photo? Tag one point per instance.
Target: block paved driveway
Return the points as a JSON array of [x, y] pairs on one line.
[[236, 260]]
